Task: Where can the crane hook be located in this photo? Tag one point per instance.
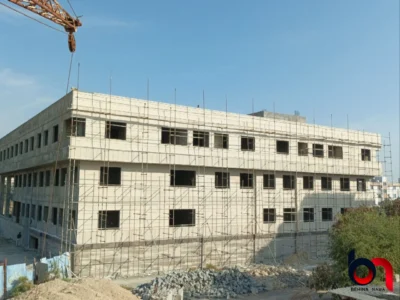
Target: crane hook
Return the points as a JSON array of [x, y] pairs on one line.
[[71, 42]]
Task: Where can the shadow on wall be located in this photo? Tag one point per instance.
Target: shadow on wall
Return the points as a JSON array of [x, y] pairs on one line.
[[304, 232]]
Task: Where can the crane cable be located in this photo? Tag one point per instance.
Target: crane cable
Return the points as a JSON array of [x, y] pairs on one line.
[[59, 30]]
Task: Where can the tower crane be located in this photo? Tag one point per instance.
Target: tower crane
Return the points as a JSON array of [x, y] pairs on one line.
[[53, 11]]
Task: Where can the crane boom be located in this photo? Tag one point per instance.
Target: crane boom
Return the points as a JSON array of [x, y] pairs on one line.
[[53, 11]]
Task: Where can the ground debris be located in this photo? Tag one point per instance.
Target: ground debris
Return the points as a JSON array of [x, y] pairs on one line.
[[223, 284]]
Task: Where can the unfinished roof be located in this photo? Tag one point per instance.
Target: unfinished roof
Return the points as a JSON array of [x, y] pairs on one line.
[[286, 117]]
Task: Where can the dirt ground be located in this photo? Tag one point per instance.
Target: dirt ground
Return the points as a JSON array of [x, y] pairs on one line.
[[80, 289]]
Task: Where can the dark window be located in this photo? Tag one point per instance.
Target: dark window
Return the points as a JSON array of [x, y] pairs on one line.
[[41, 179], [201, 138], [182, 217], [8, 153], [32, 143], [326, 214], [361, 186], [269, 215], [20, 181], [16, 149], [1, 155], [27, 211], [366, 154], [326, 183], [221, 140], [288, 182], [57, 178], [16, 181], [46, 137], [26, 146], [343, 210], [29, 180], [22, 210], [46, 213], [110, 176], [34, 179], [54, 216], [248, 143], [335, 152], [33, 211], [76, 127], [60, 216], [282, 147], [174, 136], [39, 140], [115, 130], [344, 184], [21, 146], [246, 180], [183, 178], [303, 148], [72, 219], [289, 215], [222, 180], [63, 176], [108, 219], [12, 151], [308, 182], [318, 150], [48, 176], [25, 180], [308, 214], [39, 217], [55, 133], [269, 181], [74, 175]]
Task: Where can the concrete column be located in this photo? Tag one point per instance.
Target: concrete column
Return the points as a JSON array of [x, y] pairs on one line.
[[8, 195], [2, 202]]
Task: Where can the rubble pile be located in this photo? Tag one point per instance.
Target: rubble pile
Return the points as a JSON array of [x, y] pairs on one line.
[[226, 283]]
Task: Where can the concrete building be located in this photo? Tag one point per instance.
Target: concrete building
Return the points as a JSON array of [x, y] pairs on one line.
[[384, 190], [133, 187]]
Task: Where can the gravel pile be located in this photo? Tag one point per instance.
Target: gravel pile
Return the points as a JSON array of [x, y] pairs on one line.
[[227, 283]]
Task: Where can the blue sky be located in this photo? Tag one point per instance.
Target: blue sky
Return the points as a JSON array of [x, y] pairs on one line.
[[338, 57]]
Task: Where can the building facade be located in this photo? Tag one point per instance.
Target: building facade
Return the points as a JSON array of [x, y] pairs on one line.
[[133, 187], [384, 190]]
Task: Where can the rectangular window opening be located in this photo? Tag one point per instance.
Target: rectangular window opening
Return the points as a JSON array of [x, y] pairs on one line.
[[361, 185], [221, 141], [46, 137], [222, 180], [326, 183], [54, 216], [201, 138], [308, 182], [182, 217], [248, 143], [174, 136], [303, 149], [110, 176], [318, 150], [269, 215], [327, 214], [288, 182], [108, 219], [289, 215], [366, 154], [269, 181], [115, 130], [55, 134], [183, 178], [75, 127], [345, 184], [335, 152], [308, 214], [246, 180]]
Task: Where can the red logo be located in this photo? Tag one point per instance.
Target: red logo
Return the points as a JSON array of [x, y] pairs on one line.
[[370, 264]]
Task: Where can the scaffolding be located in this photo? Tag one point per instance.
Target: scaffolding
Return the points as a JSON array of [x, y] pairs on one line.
[[232, 215]]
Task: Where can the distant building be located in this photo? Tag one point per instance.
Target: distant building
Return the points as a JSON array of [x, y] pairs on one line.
[[383, 189]]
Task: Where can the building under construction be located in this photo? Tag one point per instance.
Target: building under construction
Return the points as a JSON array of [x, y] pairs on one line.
[[132, 187]]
